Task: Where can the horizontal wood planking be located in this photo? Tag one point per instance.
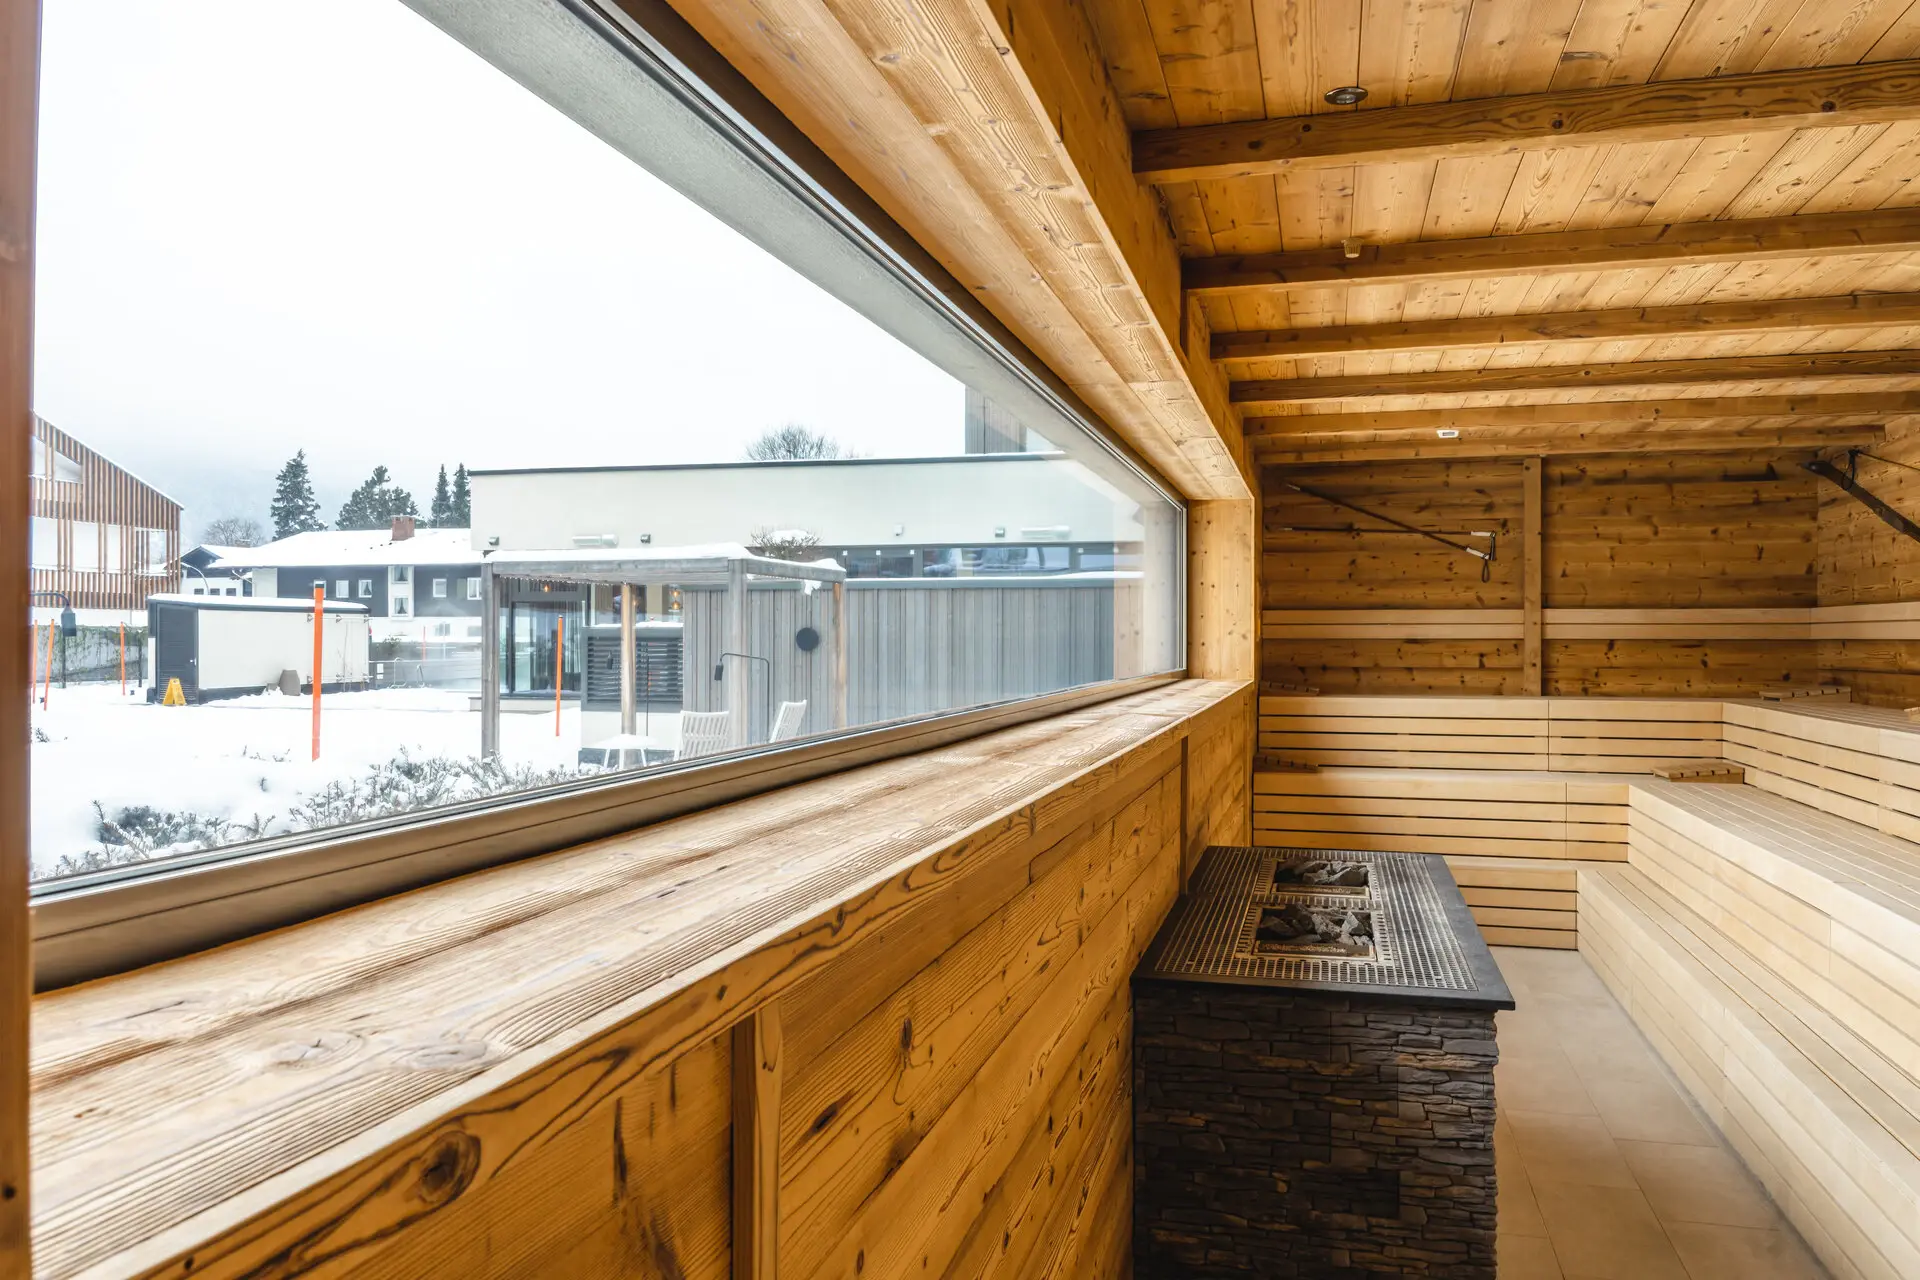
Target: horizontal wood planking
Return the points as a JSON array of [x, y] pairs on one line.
[[1665, 245], [1817, 97], [1892, 622], [564, 1056], [1903, 364], [1717, 319]]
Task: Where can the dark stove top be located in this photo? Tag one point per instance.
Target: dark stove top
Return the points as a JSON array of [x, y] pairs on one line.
[[1386, 924]]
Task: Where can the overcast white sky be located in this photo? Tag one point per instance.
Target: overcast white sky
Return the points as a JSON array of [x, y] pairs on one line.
[[266, 226]]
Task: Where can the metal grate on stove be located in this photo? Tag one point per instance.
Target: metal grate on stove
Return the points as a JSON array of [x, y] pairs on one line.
[[1414, 942]]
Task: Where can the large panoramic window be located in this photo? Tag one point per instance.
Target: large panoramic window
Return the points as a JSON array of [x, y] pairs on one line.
[[469, 448]]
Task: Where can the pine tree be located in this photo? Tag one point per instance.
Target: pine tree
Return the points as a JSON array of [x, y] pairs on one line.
[[440, 515], [295, 509], [375, 503], [462, 499]]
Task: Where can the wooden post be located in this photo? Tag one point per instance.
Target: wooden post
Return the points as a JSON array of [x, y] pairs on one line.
[[19, 99], [319, 659], [839, 655], [756, 1146], [737, 672], [627, 712], [559, 666], [1533, 615], [489, 662]]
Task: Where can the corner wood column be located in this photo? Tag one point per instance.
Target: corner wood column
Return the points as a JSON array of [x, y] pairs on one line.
[[1532, 578], [756, 1146], [19, 95], [1223, 614]]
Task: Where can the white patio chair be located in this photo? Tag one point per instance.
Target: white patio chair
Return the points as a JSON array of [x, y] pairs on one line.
[[702, 733], [787, 723]]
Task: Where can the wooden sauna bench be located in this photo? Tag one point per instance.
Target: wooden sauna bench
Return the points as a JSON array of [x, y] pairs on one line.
[[1765, 936], [875, 1023]]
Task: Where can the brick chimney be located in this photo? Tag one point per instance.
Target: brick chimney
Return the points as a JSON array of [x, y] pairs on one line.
[[402, 528]]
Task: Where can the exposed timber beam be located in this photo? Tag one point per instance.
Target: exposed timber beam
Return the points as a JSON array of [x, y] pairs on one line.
[[1902, 363], [1700, 320], [1874, 93], [1855, 405], [1567, 441], [1680, 244]]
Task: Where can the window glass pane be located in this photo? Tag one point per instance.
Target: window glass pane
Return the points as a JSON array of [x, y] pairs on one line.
[[86, 546], [45, 542], [114, 554], [436, 322]]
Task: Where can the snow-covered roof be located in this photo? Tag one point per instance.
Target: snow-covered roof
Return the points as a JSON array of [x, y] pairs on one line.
[[355, 547], [253, 604], [706, 562]]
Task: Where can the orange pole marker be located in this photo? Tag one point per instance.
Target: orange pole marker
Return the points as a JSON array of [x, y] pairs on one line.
[[319, 610], [559, 658]]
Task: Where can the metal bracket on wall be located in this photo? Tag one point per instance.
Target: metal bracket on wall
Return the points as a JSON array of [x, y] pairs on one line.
[[1486, 557], [1849, 482]]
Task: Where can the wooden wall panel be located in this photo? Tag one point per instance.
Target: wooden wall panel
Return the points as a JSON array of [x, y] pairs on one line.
[[19, 88], [1864, 560], [1680, 531]]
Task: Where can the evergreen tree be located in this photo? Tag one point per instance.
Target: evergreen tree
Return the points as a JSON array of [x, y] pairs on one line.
[[295, 509], [440, 515], [375, 503], [462, 499]]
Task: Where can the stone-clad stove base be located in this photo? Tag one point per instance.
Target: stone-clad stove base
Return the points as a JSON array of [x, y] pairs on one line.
[[1310, 1135]]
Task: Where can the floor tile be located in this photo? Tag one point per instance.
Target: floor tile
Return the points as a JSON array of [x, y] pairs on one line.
[[1519, 1212], [1739, 1253], [1647, 1109], [1696, 1184], [1525, 1257], [1554, 1147], [1607, 1233], [1541, 1081]]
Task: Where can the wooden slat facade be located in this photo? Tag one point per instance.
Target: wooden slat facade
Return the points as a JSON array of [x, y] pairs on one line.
[[121, 504]]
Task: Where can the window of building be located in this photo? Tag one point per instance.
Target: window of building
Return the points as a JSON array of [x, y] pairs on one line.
[[86, 546], [115, 556], [50, 464], [372, 367], [45, 537]]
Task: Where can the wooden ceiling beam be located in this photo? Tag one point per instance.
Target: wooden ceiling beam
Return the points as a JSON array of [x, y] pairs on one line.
[[1700, 320], [1818, 235], [1589, 440], [1816, 97], [1626, 413], [1903, 363]]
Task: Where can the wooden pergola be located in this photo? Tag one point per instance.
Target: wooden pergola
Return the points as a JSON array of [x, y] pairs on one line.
[[723, 564]]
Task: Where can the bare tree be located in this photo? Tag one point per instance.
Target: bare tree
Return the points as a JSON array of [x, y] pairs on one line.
[[784, 544], [233, 531], [793, 442]]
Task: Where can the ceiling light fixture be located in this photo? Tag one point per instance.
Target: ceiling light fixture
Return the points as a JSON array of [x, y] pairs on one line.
[[1351, 95], [1448, 433]]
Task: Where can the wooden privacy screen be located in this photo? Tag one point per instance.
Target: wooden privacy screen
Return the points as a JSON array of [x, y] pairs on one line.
[[1619, 533], [532, 1070]]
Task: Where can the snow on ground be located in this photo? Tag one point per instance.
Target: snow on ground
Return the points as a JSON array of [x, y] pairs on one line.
[[248, 760]]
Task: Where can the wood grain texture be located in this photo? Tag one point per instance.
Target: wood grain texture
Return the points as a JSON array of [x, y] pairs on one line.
[[19, 89], [1817, 97], [1822, 366], [1222, 627], [1712, 319], [757, 1052], [1532, 576], [1730, 411], [472, 1066], [1810, 236]]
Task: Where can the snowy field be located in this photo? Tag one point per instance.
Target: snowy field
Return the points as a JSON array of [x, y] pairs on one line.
[[168, 779]]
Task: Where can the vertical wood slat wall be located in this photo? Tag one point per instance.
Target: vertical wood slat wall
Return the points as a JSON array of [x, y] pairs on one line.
[[1863, 561], [1672, 531], [108, 495], [19, 90]]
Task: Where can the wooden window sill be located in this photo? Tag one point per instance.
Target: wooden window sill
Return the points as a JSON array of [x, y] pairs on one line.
[[256, 1103]]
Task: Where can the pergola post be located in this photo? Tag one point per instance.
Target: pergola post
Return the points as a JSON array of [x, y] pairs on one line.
[[839, 686], [627, 717], [489, 662], [738, 676]]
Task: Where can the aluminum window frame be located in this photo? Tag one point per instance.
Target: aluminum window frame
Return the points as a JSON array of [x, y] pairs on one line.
[[733, 153]]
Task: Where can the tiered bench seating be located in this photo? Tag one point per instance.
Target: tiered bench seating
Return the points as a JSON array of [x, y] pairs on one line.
[[1765, 936]]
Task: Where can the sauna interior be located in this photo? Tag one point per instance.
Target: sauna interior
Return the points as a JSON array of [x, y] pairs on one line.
[[1534, 388]]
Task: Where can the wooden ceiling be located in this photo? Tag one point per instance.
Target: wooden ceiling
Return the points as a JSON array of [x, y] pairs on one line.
[[1623, 204]]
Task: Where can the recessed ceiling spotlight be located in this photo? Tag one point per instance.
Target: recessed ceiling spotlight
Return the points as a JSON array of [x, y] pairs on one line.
[[1448, 433], [1350, 95]]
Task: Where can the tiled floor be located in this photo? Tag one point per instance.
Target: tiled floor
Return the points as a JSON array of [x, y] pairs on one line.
[[1606, 1170]]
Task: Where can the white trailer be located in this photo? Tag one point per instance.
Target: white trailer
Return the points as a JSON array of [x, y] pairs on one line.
[[227, 646]]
